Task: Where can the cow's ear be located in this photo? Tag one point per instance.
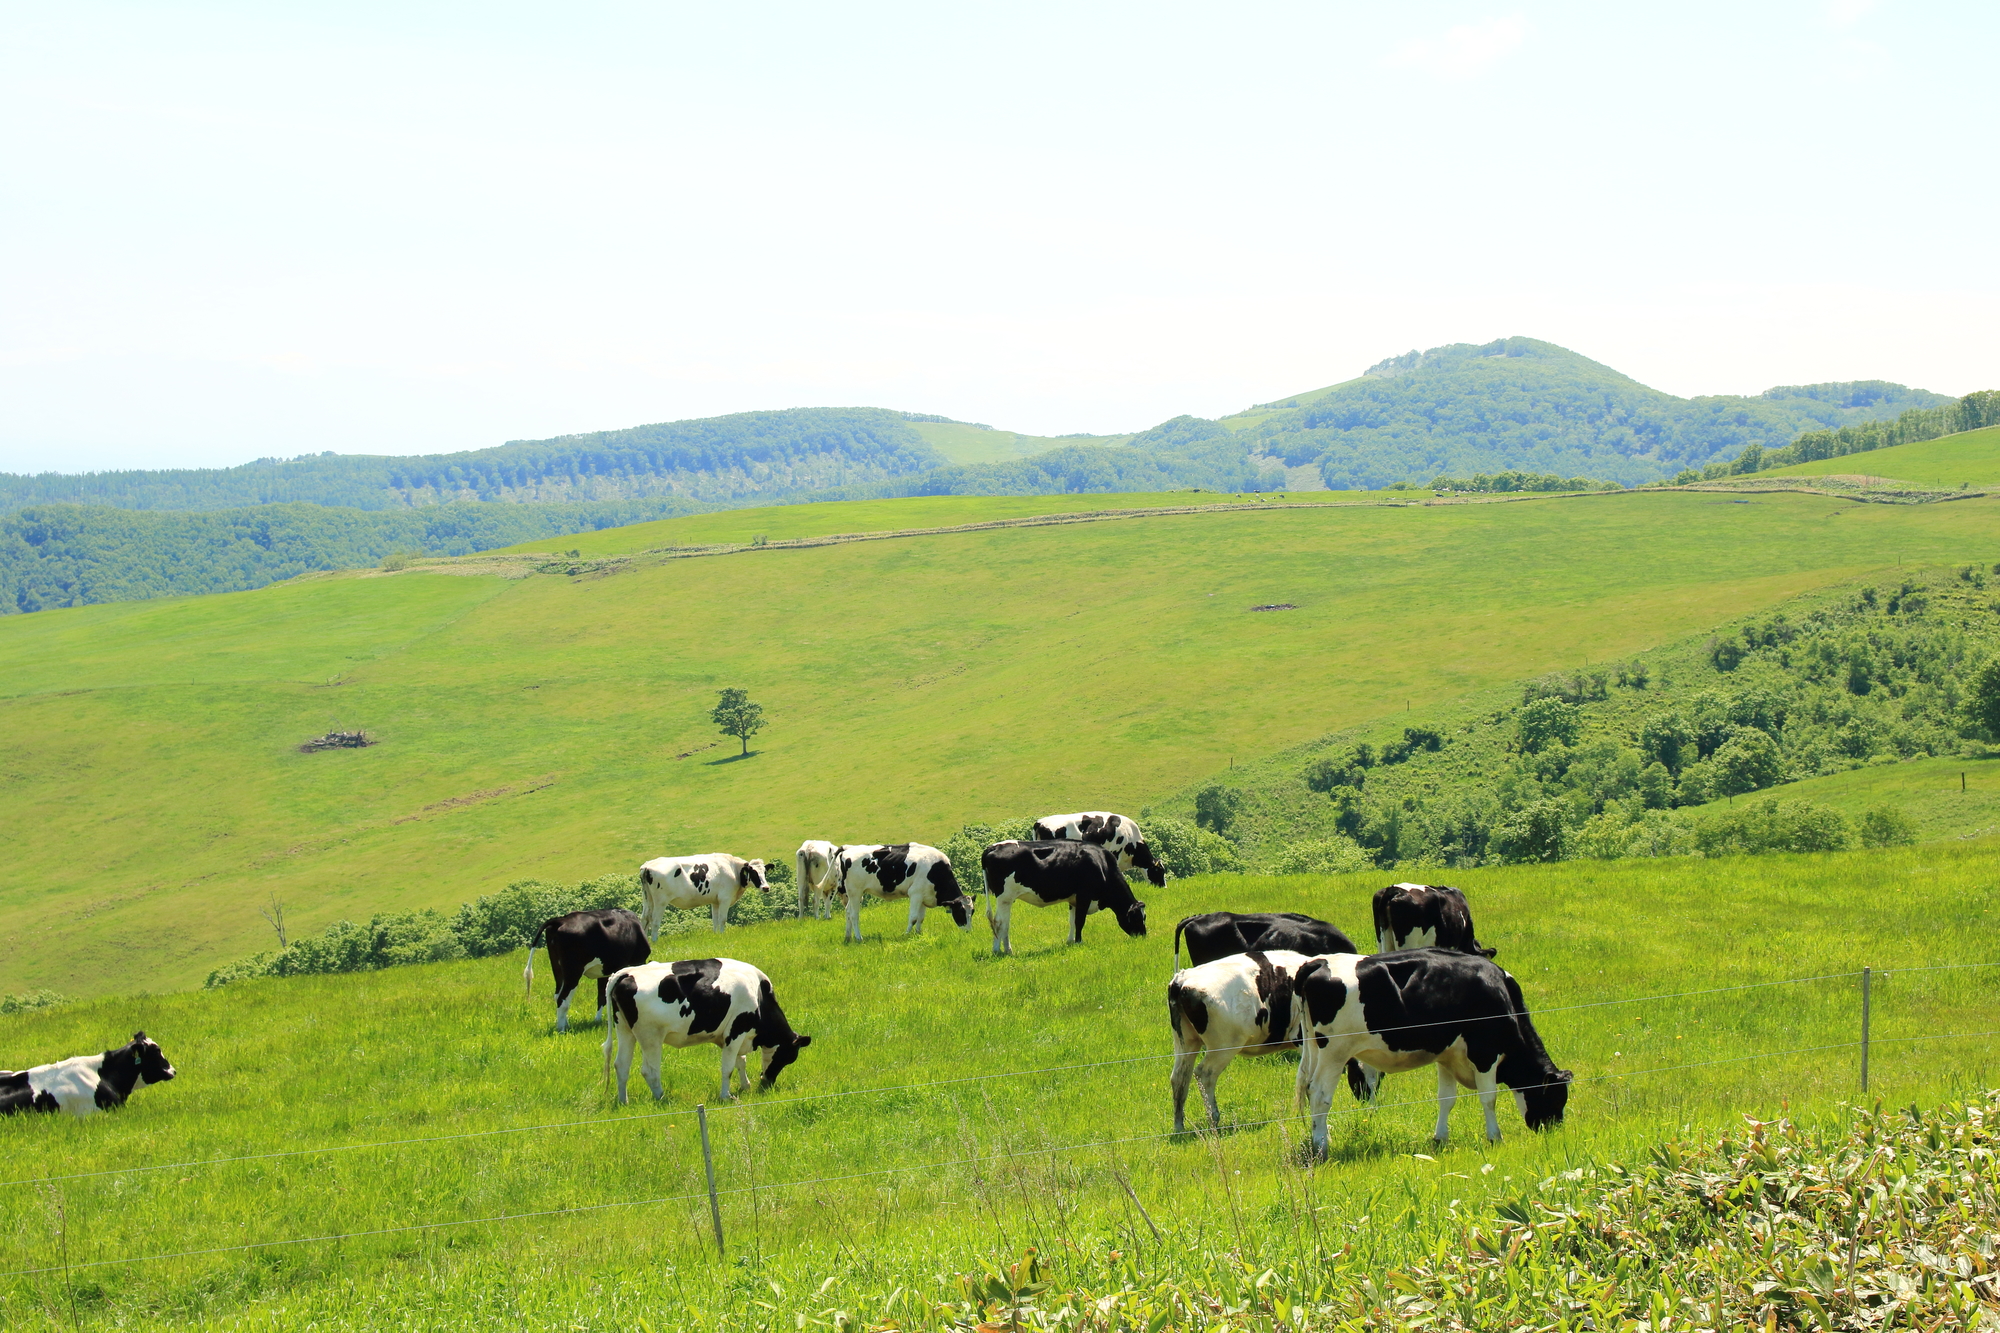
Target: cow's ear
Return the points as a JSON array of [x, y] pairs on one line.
[[803, 1041], [138, 1036]]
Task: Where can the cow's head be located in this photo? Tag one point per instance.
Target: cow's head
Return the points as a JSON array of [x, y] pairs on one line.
[[753, 875], [646, 876], [950, 895], [778, 1056], [1143, 859], [154, 1067], [1132, 918], [1542, 1098]]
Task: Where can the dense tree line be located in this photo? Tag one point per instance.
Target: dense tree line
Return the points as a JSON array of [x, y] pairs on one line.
[[1504, 483], [716, 459], [1520, 404], [1972, 412], [75, 555]]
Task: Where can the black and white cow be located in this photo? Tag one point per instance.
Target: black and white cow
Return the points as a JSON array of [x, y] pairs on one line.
[[591, 943], [83, 1084], [1422, 916], [1239, 1005], [898, 870], [715, 1000], [1213, 935], [1042, 873], [1405, 1010], [813, 867], [1117, 834], [714, 880]]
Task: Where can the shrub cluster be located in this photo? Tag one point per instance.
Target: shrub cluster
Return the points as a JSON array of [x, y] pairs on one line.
[[28, 1001], [494, 924]]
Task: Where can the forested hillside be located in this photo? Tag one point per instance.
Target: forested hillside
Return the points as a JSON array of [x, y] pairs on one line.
[[1531, 406], [714, 459]]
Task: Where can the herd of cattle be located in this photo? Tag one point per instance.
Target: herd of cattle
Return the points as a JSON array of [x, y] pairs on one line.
[[1256, 984]]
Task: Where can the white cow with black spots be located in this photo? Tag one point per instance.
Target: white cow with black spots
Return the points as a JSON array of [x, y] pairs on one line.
[[813, 864], [718, 1001], [714, 880], [1118, 834], [909, 870], [1239, 1005]]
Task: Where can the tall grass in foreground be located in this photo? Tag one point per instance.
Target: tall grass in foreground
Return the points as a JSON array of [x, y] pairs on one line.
[[904, 1156]]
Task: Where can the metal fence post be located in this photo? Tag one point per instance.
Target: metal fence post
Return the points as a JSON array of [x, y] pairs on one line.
[[1867, 976], [708, 1162]]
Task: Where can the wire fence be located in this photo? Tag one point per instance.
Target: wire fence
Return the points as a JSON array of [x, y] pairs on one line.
[[1862, 1043]]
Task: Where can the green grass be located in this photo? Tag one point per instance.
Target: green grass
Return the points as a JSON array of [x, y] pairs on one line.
[[786, 522], [1971, 458], [152, 797], [453, 1049], [962, 443], [1927, 790]]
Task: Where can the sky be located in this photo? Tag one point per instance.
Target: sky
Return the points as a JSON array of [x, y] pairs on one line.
[[232, 231]]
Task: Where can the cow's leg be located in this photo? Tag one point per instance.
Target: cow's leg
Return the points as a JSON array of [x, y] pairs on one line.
[[1184, 1058], [650, 1067], [1078, 908], [565, 989], [1000, 918], [1318, 1093], [625, 1039], [916, 914], [854, 918], [743, 1045], [1211, 1069], [730, 1056], [718, 915], [1487, 1085], [1447, 1098], [600, 996]]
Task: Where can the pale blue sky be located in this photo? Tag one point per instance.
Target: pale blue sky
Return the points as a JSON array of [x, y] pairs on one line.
[[229, 231]]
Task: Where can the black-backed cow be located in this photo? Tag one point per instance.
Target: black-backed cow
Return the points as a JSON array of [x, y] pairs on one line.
[[714, 880], [84, 1084], [592, 943], [1239, 1005], [1117, 834], [898, 870], [1041, 873], [812, 865], [1405, 1010], [714, 1000], [1213, 935], [1424, 916]]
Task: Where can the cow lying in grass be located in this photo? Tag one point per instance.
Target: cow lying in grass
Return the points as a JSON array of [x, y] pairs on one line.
[[1213, 935], [1397, 1011], [714, 880], [910, 870], [1239, 1005], [718, 1001], [591, 943], [1116, 834], [1080, 873], [84, 1084]]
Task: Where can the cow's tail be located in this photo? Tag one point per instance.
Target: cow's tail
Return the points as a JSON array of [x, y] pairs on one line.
[[528, 972], [1179, 926], [799, 874], [610, 1026]]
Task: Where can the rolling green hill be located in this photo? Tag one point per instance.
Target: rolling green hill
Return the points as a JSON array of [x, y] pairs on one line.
[[962, 442], [955, 1108], [1970, 458], [555, 726], [1521, 404]]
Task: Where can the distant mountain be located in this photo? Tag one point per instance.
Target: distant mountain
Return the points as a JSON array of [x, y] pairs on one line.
[[1531, 406], [716, 460]]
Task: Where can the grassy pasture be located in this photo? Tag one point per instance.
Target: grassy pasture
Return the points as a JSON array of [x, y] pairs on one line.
[[1971, 457], [1927, 790], [915, 1184], [963, 443], [152, 797]]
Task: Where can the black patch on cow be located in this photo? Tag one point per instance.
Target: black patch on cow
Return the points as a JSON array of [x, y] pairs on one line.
[[691, 984], [1184, 1003], [625, 998], [16, 1095], [753, 876], [1213, 935], [1322, 991], [948, 892], [890, 866], [1274, 988], [745, 1022], [698, 876]]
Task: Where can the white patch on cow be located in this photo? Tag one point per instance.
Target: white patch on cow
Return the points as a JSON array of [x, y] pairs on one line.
[[1426, 938], [668, 881]]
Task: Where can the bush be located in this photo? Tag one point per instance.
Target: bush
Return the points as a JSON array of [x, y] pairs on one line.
[[1538, 831], [1546, 721], [1886, 826], [29, 1001], [1326, 856], [1772, 825], [1748, 761], [1185, 849], [1215, 807], [1982, 701], [963, 848], [1325, 773]]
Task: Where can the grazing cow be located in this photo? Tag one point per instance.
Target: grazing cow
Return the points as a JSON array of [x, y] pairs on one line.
[[1213, 935], [1239, 1005], [1117, 834], [898, 870], [813, 865], [1415, 1007], [715, 1000], [714, 880], [86, 1083], [592, 943], [1041, 873], [1421, 916]]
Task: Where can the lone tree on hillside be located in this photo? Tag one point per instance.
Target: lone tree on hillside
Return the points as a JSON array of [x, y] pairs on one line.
[[738, 717]]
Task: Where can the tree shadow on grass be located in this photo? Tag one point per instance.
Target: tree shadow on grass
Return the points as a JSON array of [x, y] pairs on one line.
[[732, 759]]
